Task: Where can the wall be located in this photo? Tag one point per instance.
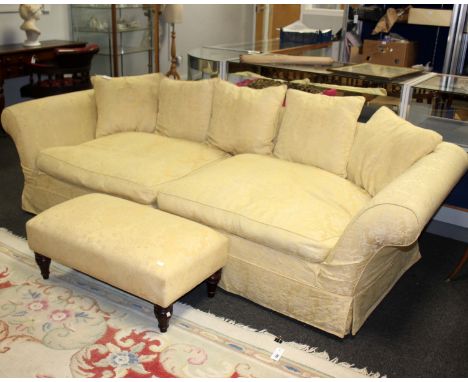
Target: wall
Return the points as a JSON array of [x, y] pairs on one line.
[[53, 26], [206, 25]]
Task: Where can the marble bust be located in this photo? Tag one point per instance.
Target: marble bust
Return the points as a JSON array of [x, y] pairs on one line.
[[30, 13]]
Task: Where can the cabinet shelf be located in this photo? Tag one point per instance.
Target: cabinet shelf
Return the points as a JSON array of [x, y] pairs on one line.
[[126, 50], [109, 6], [106, 31]]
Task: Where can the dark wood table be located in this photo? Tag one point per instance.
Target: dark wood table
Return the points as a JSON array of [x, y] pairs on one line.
[[15, 57]]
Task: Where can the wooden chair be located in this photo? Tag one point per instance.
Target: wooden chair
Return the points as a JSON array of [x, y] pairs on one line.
[[68, 72]]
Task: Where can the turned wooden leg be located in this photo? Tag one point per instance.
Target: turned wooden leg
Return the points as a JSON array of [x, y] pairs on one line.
[[44, 264], [459, 266], [163, 315], [212, 282]]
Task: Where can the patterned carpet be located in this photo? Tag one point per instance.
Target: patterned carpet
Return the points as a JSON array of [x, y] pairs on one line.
[[74, 326]]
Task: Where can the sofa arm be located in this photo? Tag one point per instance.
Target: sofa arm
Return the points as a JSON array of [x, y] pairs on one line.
[[66, 119], [396, 216]]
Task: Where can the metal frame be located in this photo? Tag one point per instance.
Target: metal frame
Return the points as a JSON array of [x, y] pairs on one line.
[[407, 92], [454, 40]]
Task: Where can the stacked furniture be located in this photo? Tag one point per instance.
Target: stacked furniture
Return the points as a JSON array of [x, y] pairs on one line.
[[322, 213]]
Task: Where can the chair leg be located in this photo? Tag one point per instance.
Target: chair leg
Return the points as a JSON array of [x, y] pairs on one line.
[[212, 283], [163, 315], [44, 264], [459, 267]]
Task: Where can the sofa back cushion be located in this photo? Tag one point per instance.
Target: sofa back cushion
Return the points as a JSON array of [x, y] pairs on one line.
[[126, 103], [185, 108], [244, 120], [318, 130], [385, 147]]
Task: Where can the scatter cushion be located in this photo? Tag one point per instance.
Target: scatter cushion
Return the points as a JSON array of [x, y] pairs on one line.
[[301, 210], [131, 165], [126, 103], [244, 120], [385, 147], [318, 130], [185, 108]]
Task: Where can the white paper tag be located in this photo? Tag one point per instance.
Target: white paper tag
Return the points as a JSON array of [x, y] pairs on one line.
[[355, 19], [277, 354], [168, 314]]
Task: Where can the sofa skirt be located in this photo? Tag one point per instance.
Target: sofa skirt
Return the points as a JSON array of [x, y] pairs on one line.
[[286, 285], [42, 191]]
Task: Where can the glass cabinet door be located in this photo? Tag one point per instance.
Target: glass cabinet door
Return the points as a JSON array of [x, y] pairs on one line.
[[131, 30]]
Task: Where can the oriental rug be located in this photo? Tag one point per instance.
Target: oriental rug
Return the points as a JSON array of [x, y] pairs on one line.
[[75, 326]]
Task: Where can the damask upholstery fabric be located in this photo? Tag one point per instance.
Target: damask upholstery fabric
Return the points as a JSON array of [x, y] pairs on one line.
[[291, 207], [68, 119], [185, 108], [333, 285], [126, 103], [396, 216], [152, 254], [42, 191], [292, 286], [385, 147], [245, 120], [132, 165], [318, 130]]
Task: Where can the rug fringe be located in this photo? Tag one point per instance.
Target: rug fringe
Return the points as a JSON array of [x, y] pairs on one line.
[[302, 347], [6, 230]]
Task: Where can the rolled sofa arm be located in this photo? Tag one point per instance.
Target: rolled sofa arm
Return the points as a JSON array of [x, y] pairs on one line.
[[396, 216], [61, 120]]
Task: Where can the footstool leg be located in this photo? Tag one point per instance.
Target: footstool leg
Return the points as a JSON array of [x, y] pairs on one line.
[[163, 315], [212, 282], [44, 264]]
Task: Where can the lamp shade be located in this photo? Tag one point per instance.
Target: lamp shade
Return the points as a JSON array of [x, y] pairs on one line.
[[173, 13]]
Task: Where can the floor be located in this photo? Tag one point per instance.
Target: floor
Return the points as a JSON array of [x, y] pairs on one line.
[[419, 330]]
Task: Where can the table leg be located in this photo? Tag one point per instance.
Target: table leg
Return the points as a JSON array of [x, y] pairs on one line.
[[459, 266], [2, 99]]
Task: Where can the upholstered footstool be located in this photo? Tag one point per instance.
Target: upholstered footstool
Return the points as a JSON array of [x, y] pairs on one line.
[[149, 253]]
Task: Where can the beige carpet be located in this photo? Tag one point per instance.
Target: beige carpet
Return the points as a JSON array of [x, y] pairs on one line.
[[74, 326]]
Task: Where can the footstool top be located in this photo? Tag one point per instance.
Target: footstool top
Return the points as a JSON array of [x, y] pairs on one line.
[[144, 251]]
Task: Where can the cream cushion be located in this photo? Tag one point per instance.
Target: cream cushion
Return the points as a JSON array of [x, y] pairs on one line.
[[298, 209], [132, 165], [149, 253], [385, 147], [126, 103], [244, 120], [318, 130], [185, 108]]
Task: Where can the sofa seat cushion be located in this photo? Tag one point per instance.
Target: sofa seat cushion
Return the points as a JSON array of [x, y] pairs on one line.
[[301, 210], [132, 165]]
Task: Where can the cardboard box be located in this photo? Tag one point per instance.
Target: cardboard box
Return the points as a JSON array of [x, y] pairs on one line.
[[399, 53], [355, 55], [425, 16]]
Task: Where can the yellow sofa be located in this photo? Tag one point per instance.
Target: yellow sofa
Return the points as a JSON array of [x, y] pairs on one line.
[[320, 229]]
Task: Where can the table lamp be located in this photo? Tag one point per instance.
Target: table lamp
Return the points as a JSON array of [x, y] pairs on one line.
[[173, 15]]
